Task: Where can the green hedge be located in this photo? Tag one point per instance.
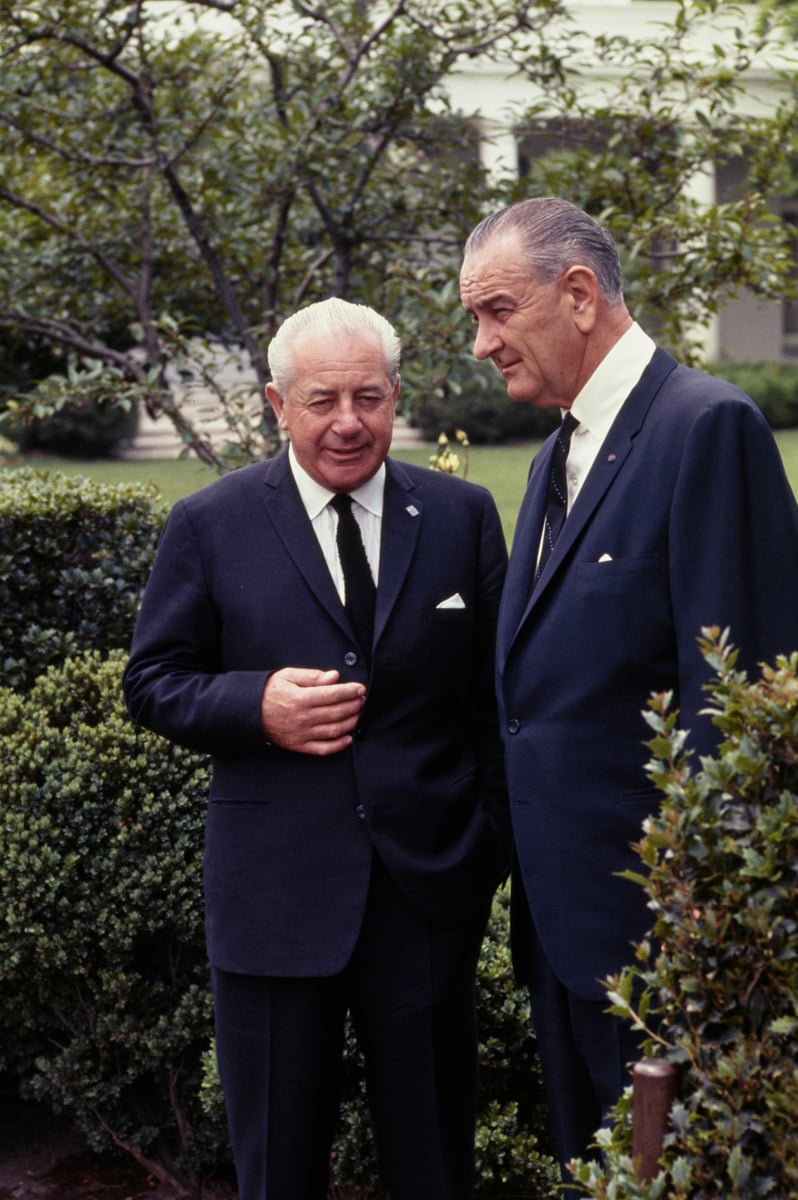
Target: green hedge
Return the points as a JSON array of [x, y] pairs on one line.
[[719, 971], [104, 1000], [105, 1009], [476, 401], [104, 997], [773, 385], [74, 556]]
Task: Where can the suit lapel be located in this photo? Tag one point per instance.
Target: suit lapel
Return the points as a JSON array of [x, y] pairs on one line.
[[401, 526], [287, 513], [614, 452], [521, 568]]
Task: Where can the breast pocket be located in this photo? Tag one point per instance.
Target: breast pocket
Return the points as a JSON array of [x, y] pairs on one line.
[[619, 569], [624, 609], [447, 616]]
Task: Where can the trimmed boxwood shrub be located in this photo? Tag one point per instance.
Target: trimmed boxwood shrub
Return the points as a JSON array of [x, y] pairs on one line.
[[74, 557], [105, 1008], [104, 996], [719, 971], [515, 1147]]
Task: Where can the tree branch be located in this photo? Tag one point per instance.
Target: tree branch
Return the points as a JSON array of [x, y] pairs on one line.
[[49, 218]]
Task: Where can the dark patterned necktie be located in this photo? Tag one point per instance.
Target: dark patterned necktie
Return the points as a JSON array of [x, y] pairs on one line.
[[557, 497], [359, 589]]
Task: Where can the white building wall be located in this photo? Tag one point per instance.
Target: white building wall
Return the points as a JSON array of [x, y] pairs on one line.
[[746, 328]]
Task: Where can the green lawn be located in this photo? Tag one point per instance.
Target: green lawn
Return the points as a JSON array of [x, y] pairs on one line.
[[502, 469]]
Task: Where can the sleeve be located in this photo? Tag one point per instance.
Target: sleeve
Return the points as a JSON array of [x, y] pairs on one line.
[[733, 551], [493, 567], [174, 683]]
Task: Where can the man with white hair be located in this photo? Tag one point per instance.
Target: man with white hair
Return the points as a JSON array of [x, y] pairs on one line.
[[323, 625]]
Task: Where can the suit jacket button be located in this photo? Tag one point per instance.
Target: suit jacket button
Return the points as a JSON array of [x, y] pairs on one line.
[[513, 725], [360, 812], [350, 658]]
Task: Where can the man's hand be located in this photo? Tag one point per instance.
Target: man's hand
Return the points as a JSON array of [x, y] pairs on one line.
[[310, 711]]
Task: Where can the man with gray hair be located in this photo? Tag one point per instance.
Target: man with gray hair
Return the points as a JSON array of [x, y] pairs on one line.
[[659, 507], [323, 624]]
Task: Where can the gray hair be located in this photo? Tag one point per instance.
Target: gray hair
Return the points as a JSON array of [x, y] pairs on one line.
[[332, 316], [555, 235]]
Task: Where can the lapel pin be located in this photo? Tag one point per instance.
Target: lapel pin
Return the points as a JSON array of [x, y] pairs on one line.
[[610, 458], [411, 508]]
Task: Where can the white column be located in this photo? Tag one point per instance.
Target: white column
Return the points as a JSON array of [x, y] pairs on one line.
[[498, 149], [702, 189]]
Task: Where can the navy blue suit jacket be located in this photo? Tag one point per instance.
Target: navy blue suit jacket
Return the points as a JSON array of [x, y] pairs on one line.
[[685, 520], [239, 589]]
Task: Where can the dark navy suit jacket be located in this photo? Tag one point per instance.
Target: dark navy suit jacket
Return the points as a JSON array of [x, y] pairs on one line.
[[239, 589], [685, 520]]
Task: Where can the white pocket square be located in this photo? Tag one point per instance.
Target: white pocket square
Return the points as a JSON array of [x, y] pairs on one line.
[[605, 558], [455, 601]]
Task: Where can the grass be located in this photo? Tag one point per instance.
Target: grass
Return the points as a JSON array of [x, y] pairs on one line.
[[502, 469], [788, 445], [173, 477]]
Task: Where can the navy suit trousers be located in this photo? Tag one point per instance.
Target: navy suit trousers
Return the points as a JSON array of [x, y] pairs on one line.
[[585, 1055], [410, 989]]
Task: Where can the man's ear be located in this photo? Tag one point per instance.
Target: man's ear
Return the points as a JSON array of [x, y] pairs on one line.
[[583, 292], [276, 401]]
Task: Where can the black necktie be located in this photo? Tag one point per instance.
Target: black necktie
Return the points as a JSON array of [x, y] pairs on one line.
[[557, 497], [359, 589]]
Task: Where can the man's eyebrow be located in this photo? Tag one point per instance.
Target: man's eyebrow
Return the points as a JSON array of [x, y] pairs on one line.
[[321, 391], [491, 301], [316, 391]]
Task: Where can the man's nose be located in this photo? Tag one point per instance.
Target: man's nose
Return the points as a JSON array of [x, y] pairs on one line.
[[485, 342], [347, 418]]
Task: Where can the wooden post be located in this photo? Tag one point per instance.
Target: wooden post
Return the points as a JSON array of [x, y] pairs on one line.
[[653, 1092]]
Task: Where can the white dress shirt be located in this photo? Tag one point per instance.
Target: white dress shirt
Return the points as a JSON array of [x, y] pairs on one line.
[[367, 510], [600, 401]]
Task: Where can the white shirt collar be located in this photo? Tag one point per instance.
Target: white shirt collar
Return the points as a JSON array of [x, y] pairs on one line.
[[601, 398], [316, 497]]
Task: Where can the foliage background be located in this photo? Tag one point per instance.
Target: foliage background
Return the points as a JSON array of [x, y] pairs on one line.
[[200, 169]]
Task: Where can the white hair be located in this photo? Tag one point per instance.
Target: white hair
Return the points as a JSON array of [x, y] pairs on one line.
[[333, 316]]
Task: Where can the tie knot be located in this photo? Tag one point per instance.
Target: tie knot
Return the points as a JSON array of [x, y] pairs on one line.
[[341, 502], [569, 424]]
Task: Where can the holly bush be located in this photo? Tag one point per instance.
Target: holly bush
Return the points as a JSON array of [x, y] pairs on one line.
[[719, 971]]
